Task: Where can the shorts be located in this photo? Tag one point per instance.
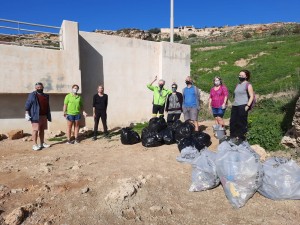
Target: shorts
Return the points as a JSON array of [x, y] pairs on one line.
[[42, 124], [73, 118], [218, 112], [190, 113], [158, 109]]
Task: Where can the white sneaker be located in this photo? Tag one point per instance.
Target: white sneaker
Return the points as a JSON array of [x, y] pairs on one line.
[[76, 142], [36, 148], [44, 145]]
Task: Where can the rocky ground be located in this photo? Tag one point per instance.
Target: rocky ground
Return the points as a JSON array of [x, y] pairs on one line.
[[105, 182]]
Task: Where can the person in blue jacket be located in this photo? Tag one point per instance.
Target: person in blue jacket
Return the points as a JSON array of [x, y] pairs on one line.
[[37, 110]]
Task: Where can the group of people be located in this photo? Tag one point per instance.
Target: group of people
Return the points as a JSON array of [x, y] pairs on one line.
[[188, 103], [173, 102], [38, 112]]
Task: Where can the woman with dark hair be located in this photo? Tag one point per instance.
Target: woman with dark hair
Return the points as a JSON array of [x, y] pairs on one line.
[[217, 100], [73, 106], [243, 98]]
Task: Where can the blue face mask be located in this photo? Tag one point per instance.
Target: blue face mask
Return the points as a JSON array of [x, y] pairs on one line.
[[174, 89]]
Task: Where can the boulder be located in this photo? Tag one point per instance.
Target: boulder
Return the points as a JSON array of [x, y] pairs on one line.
[[15, 134], [2, 136], [292, 137], [19, 215]]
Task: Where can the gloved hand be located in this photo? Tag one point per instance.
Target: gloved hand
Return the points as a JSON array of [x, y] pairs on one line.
[[27, 117]]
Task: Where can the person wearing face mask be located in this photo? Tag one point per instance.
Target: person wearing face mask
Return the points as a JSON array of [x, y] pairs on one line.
[[174, 105], [191, 102], [160, 95], [243, 97], [37, 110], [73, 106], [218, 100], [100, 102]]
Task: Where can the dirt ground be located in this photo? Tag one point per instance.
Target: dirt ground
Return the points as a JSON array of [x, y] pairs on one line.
[[105, 182]]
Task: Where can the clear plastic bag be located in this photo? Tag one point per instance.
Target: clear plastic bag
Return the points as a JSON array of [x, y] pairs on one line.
[[240, 172], [188, 154], [204, 173], [281, 179]]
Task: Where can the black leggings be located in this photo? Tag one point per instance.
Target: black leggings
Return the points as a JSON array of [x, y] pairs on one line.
[[100, 114], [239, 122], [173, 117]]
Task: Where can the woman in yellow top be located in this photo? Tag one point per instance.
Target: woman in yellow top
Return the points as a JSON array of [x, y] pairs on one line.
[[73, 106]]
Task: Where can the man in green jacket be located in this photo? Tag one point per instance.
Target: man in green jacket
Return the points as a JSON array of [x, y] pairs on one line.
[[160, 95]]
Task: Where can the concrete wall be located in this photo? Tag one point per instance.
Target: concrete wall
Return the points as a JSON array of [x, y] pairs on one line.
[[123, 65], [21, 67]]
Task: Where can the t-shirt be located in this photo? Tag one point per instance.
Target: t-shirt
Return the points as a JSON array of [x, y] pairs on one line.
[[43, 102], [74, 104], [241, 94], [190, 97], [218, 96], [100, 102]]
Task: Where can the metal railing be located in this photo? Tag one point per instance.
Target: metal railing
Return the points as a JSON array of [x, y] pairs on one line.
[[24, 34]]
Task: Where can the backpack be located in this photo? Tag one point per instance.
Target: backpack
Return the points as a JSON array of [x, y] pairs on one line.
[[254, 98]]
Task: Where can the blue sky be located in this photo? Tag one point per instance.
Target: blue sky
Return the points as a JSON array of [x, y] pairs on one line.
[[118, 14]]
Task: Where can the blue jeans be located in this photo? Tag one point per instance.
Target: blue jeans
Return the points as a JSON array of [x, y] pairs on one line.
[[218, 112], [73, 118]]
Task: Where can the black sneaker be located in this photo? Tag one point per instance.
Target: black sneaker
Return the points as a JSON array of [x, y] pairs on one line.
[[94, 138]]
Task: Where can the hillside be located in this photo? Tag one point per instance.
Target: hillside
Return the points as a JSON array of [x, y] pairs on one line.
[[273, 61]]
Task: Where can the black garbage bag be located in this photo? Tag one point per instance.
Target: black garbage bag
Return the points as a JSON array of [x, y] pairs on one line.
[[184, 130], [201, 140], [167, 136], [129, 137], [176, 124], [186, 142], [150, 138], [157, 124]]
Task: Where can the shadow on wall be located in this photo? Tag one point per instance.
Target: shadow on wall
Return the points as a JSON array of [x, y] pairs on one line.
[[13, 105], [91, 66]]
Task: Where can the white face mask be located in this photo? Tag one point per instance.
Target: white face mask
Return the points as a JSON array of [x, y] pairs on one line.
[[74, 90], [217, 82]]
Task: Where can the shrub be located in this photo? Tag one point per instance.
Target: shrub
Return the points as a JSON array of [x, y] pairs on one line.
[[192, 35], [265, 130], [269, 121], [154, 31], [247, 35], [177, 37]]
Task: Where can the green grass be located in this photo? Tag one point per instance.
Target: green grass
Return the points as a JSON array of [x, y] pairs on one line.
[[270, 120], [139, 127], [58, 138], [278, 70]]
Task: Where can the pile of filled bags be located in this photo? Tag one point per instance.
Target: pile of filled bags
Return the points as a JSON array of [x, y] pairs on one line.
[[237, 168], [158, 132], [240, 172]]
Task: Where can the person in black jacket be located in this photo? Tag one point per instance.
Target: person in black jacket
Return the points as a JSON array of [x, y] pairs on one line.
[[174, 104], [100, 101]]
